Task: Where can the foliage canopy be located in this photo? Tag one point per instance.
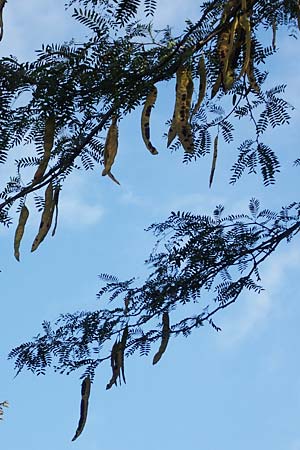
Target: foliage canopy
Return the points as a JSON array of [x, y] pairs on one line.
[[76, 93]]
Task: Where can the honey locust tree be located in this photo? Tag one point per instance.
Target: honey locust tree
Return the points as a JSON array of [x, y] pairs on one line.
[[77, 94]]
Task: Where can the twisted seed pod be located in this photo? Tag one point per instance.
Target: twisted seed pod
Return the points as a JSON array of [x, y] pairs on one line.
[[115, 362], [111, 146], [110, 149], [46, 218], [145, 120], [24, 214], [213, 166], [48, 144], [202, 87], [164, 339], [85, 394]]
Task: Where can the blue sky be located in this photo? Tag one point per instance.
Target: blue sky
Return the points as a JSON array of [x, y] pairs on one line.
[[237, 389]]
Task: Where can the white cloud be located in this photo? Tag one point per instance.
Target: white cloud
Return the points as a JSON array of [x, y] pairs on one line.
[[255, 309], [77, 207], [76, 212]]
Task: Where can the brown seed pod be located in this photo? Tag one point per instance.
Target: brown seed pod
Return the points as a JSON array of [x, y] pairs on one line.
[[251, 78], [173, 128], [182, 110], [48, 144], [115, 363], [24, 214], [245, 24], [213, 166], [85, 394], [55, 206], [46, 218], [274, 31], [164, 339], [172, 131], [216, 86], [2, 3], [202, 87], [110, 146], [145, 120], [122, 349]]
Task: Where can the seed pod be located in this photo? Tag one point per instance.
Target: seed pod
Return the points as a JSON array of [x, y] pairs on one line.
[[46, 218], [122, 348], [228, 68], [182, 112], [202, 87], [274, 30], [24, 214], [111, 146], [55, 206], [213, 166], [145, 120], [164, 339], [115, 363], [85, 393], [48, 144], [173, 128], [112, 177], [216, 86], [245, 24], [2, 3], [251, 78]]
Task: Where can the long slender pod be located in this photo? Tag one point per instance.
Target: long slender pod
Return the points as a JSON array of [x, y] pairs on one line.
[[24, 214], [48, 145], [85, 394], [46, 218], [145, 120], [164, 339], [214, 161]]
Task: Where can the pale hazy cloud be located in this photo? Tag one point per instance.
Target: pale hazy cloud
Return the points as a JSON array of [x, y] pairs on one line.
[[255, 309]]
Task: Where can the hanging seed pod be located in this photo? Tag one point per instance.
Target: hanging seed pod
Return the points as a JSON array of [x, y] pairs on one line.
[[228, 69], [48, 144], [2, 3], [115, 363], [46, 218], [164, 339], [223, 47], [216, 86], [122, 348], [111, 146], [202, 86], [85, 394], [173, 128], [251, 78], [172, 131], [145, 120], [55, 206], [274, 30], [24, 214], [245, 24], [182, 114], [213, 166]]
